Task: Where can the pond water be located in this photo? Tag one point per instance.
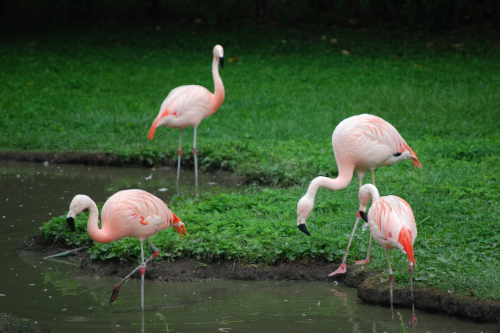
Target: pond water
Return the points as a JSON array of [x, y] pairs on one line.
[[47, 292]]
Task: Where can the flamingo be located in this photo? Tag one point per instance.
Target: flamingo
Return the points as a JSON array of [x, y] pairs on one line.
[[360, 143], [393, 226], [187, 106], [128, 213]]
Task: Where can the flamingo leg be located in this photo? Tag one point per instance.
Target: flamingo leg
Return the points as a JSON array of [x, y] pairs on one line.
[[373, 177], [195, 152], [367, 259], [116, 288], [413, 316], [143, 272], [343, 267], [391, 281], [179, 155]]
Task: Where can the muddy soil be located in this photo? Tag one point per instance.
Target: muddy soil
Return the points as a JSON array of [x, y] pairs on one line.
[[370, 287]]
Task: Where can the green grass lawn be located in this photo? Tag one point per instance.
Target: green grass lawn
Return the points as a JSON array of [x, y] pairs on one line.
[[98, 89]]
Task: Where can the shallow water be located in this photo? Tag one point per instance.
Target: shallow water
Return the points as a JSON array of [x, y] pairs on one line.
[[47, 292]]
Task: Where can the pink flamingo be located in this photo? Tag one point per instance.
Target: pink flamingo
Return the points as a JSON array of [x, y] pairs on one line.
[[360, 143], [392, 225], [187, 106], [129, 213]]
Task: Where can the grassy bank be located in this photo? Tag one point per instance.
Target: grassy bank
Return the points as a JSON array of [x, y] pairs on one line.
[[97, 89]]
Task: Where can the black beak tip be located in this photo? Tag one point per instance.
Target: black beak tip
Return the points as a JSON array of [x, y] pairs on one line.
[[71, 222], [363, 216], [303, 228], [221, 62]]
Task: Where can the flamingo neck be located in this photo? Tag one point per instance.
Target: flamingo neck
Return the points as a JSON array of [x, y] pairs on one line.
[[97, 234], [219, 92], [332, 184], [368, 191]]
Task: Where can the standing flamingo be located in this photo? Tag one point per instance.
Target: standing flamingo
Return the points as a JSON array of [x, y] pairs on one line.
[[360, 143], [187, 106], [392, 225], [128, 213]]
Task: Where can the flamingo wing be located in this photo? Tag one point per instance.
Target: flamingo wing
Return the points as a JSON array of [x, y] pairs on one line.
[[383, 133], [392, 224], [370, 142], [136, 213], [184, 106]]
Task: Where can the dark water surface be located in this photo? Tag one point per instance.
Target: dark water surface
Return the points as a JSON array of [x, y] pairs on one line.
[[47, 291]]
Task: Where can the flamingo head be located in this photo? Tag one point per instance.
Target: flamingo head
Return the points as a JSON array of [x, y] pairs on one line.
[[219, 54], [304, 208], [78, 205], [367, 192]]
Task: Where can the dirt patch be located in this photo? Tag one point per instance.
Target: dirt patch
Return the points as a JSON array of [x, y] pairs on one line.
[[371, 288]]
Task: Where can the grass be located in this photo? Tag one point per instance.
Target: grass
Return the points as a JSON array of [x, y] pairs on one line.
[[286, 89]]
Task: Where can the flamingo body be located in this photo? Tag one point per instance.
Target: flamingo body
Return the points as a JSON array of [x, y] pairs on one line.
[[392, 224], [128, 213], [360, 143], [187, 106], [366, 142]]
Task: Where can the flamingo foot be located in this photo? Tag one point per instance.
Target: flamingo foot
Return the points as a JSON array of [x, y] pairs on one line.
[[414, 318], [362, 262], [340, 270], [154, 255], [143, 271], [114, 293]]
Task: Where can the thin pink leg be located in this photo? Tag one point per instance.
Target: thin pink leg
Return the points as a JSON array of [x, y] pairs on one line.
[[367, 259], [391, 282], [413, 316], [343, 266], [195, 152], [179, 155], [141, 268]]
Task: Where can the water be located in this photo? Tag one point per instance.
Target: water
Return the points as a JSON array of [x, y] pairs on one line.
[[46, 290]]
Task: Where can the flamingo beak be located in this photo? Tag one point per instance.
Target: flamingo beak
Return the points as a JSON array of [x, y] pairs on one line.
[[363, 216], [221, 62], [302, 227], [71, 222]]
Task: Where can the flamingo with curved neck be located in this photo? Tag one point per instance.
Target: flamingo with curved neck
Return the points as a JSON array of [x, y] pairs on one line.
[[187, 106], [393, 226], [128, 213], [360, 144]]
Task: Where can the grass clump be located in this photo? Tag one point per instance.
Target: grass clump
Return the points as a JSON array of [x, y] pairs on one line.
[[286, 90]]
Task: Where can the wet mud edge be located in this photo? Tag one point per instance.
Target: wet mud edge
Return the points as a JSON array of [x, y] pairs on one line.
[[371, 288]]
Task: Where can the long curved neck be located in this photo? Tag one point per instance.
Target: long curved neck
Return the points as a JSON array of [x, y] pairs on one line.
[[219, 92], [97, 234], [367, 192], [333, 184]]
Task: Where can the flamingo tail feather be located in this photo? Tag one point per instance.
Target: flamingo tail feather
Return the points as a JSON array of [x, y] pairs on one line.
[[152, 130], [405, 240]]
